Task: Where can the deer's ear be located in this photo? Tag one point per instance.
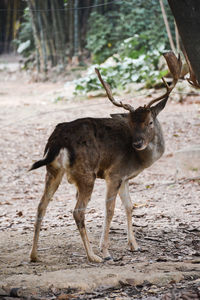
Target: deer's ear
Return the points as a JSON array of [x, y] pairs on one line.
[[122, 117], [156, 109]]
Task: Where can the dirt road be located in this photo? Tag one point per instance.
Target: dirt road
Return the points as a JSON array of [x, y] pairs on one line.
[[166, 217]]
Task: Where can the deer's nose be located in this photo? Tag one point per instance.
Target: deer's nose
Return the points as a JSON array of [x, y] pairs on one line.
[[138, 144]]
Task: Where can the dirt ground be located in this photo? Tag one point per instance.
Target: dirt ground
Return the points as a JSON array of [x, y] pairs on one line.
[[166, 215]]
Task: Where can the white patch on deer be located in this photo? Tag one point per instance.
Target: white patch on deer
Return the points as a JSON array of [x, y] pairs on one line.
[[62, 160], [156, 154]]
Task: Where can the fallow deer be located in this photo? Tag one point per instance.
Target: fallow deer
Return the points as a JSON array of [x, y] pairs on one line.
[[115, 149]]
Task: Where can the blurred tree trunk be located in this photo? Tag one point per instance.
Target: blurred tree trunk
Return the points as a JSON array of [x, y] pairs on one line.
[[71, 27], [177, 38], [60, 13], [11, 24], [76, 29], [51, 52], [16, 20], [83, 17], [42, 40], [55, 30], [8, 21], [173, 48], [187, 16], [10, 14], [49, 32], [39, 56]]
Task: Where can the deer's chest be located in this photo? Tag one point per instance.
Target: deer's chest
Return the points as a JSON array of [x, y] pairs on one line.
[[144, 159], [153, 153]]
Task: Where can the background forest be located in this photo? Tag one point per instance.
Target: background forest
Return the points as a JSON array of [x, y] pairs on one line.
[[59, 33]]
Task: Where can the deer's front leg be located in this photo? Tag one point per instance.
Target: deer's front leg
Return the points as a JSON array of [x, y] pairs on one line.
[[126, 200], [112, 190]]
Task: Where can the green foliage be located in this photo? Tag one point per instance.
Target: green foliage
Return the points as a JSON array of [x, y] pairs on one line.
[[25, 41], [133, 64], [136, 32], [144, 18], [98, 37]]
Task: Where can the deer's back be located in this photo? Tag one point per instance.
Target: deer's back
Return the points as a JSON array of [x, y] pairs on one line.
[[93, 143]]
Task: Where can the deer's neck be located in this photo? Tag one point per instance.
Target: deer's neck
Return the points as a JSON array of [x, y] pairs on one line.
[[154, 150]]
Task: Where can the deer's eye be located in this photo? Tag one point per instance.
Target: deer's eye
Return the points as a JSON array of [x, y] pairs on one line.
[[150, 123]]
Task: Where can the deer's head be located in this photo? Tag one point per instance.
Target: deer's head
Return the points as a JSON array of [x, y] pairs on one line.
[[142, 121]]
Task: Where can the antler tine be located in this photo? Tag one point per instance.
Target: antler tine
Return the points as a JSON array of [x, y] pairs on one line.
[[169, 89], [174, 65], [110, 95]]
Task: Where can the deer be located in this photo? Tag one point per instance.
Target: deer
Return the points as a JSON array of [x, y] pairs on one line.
[[115, 149]]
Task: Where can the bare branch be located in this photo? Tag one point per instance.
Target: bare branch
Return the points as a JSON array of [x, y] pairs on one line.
[[167, 25], [192, 79]]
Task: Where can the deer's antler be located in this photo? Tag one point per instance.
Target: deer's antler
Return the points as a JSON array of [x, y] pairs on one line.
[[174, 65], [110, 95]]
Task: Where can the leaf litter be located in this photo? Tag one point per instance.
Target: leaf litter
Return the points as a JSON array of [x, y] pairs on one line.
[[165, 209]]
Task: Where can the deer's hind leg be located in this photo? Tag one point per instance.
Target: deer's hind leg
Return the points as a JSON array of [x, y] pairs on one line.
[[84, 191], [53, 179]]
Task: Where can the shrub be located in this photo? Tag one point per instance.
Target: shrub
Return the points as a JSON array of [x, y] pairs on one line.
[[25, 41], [133, 63], [126, 19]]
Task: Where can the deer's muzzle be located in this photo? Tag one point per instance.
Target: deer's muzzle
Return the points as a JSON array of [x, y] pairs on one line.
[[139, 145]]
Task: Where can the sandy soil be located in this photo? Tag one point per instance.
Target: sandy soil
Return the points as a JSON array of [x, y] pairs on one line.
[[166, 215]]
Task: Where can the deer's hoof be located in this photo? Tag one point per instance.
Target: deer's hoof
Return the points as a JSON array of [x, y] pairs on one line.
[[33, 257], [95, 258], [106, 254], [134, 248], [107, 258], [138, 249]]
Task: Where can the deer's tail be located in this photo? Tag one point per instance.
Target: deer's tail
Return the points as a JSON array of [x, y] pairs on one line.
[[51, 153]]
